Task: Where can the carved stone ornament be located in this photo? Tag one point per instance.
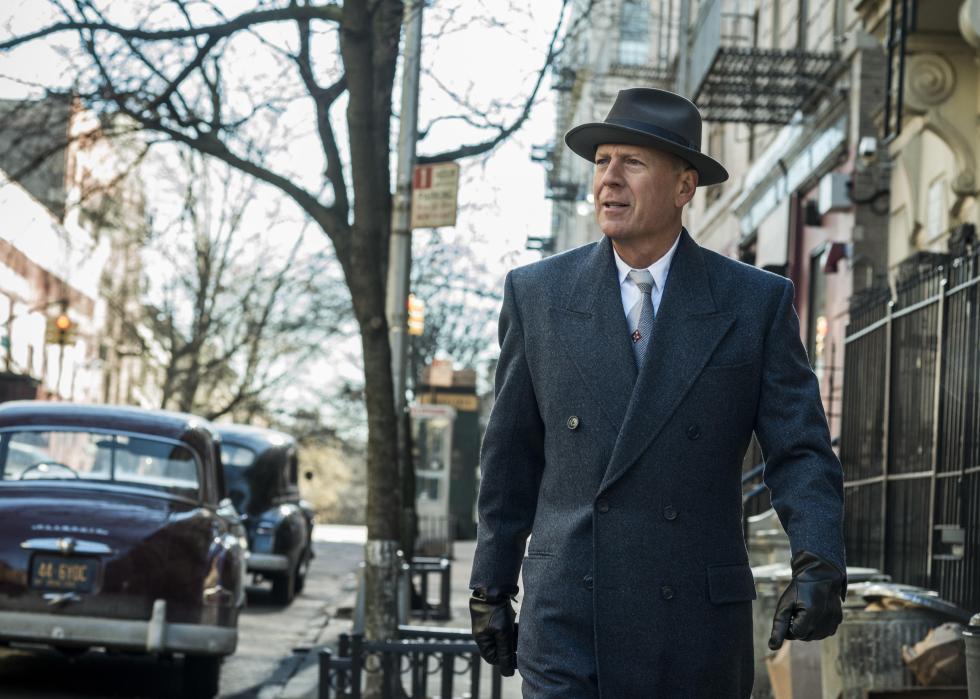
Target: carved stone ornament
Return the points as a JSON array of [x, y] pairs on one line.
[[964, 184], [931, 79]]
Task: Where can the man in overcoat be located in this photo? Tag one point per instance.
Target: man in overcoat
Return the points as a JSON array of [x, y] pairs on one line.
[[632, 374]]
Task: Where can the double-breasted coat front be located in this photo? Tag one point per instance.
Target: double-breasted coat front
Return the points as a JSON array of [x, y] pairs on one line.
[[628, 480]]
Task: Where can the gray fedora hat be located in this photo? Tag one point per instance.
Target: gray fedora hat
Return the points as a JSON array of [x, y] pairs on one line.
[[654, 118]]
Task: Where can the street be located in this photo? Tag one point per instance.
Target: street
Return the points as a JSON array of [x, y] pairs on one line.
[[261, 665]]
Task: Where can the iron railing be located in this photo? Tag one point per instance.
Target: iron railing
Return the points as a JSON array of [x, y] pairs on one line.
[[910, 439], [428, 661], [733, 79]]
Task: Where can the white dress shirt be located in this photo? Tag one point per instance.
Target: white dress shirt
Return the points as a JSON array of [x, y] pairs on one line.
[[630, 293]]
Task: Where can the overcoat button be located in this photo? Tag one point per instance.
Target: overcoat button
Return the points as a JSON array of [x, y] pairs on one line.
[[693, 432], [572, 422], [602, 505], [670, 514], [667, 592], [587, 582]]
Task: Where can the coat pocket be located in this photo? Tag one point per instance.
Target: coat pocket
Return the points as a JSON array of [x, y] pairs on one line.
[[730, 583], [539, 554]]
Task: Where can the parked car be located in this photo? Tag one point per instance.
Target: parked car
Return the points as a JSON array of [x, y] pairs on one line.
[[262, 470], [115, 532]]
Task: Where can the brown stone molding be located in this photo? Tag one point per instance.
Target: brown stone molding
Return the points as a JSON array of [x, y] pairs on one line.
[[50, 287]]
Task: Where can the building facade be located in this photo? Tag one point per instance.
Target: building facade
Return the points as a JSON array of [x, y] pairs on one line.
[[68, 249], [788, 90], [850, 129]]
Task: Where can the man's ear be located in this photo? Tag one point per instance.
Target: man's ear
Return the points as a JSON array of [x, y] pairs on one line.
[[687, 184]]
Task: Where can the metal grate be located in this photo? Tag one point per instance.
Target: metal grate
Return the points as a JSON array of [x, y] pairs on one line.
[[910, 441], [901, 20], [763, 86], [732, 80]]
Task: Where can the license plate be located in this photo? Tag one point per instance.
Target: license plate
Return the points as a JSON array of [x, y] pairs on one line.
[[60, 573]]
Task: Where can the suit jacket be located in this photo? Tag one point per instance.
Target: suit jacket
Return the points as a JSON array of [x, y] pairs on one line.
[[636, 578]]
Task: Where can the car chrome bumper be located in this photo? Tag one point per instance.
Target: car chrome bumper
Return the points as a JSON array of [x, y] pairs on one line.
[[153, 636], [268, 563]]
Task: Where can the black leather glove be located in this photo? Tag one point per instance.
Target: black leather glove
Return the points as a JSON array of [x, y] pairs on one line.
[[810, 607], [494, 630]]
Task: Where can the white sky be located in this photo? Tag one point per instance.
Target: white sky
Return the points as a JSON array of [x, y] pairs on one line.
[[501, 197]]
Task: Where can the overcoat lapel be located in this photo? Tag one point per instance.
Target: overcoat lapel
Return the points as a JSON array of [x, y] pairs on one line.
[[686, 332], [594, 333]]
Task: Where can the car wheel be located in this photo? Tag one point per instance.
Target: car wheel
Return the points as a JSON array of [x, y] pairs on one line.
[[202, 675], [284, 587], [301, 570]]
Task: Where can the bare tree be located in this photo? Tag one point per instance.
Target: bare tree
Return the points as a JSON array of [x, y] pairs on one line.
[[461, 298], [232, 319], [172, 70]]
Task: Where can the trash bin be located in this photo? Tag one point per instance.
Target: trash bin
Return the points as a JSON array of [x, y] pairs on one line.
[[971, 637], [830, 680], [770, 581], [870, 646]]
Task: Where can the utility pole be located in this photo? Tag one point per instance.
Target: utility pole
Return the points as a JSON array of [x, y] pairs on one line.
[[400, 254]]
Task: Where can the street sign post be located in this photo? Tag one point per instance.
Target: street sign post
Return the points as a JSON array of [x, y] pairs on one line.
[[434, 189]]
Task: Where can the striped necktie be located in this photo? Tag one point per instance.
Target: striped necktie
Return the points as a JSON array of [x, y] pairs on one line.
[[641, 315]]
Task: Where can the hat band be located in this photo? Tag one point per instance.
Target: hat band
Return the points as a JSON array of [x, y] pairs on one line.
[[654, 130]]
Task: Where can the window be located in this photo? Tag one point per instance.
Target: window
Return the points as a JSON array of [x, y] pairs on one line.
[[634, 33], [747, 251], [936, 209], [235, 455], [92, 456], [817, 321], [716, 149]]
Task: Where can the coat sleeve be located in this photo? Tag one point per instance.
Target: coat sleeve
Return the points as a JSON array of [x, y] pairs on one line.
[[802, 472], [511, 460]]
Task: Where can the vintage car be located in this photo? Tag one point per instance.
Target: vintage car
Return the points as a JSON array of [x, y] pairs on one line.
[[261, 468], [115, 533]]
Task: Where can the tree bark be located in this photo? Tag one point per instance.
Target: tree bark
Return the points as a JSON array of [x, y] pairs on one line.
[[369, 47]]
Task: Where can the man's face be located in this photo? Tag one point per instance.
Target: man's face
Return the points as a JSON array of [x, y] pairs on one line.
[[639, 192]]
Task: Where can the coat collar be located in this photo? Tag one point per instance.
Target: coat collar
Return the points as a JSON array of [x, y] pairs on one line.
[[594, 332], [687, 329]]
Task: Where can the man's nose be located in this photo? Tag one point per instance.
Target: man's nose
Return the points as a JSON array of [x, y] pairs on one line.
[[613, 175]]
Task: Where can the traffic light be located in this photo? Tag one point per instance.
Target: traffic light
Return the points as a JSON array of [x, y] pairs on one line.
[[416, 315], [61, 330]]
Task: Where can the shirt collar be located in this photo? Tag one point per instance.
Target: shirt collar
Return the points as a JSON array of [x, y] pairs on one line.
[[658, 269]]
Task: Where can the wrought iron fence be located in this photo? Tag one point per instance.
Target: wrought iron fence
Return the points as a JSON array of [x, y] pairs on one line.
[[429, 661], [910, 438]]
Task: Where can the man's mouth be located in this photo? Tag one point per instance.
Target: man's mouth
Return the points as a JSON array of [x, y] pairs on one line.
[[613, 205]]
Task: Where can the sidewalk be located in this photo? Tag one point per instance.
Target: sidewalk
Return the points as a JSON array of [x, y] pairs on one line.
[[304, 683]]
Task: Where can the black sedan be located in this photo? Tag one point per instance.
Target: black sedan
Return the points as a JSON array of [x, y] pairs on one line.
[[115, 534], [261, 468]]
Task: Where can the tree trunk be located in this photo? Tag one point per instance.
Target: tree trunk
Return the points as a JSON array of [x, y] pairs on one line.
[[369, 48], [383, 497]]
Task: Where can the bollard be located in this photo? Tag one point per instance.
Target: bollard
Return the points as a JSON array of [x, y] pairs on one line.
[[323, 691], [404, 593], [971, 637], [445, 610]]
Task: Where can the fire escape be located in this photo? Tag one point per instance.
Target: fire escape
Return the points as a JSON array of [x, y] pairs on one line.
[[733, 80]]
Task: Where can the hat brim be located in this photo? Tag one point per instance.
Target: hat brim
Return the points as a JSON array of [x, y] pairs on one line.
[[585, 138]]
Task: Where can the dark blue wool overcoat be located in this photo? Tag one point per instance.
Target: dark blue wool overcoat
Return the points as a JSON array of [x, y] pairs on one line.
[[636, 578]]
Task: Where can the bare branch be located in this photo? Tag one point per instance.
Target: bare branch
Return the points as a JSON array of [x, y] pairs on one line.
[[323, 99], [554, 50], [330, 12]]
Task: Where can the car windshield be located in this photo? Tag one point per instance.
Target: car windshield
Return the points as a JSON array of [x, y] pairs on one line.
[[94, 456], [234, 455]]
